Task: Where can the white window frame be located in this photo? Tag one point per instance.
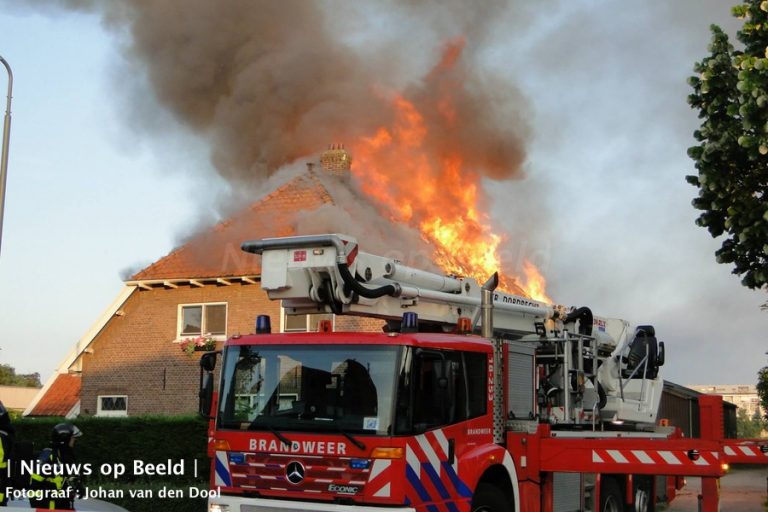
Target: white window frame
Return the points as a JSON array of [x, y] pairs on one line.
[[180, 319], [283, 315], [111, 414]]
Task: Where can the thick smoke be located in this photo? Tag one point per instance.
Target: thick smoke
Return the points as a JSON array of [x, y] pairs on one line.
[[353, 214], [270, 82]]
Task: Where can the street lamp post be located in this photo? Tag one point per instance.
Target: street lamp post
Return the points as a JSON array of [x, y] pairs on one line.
[[6, 138]]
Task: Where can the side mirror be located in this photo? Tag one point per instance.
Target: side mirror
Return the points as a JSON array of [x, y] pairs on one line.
[[208, 361], [206, 395], [661, 356]]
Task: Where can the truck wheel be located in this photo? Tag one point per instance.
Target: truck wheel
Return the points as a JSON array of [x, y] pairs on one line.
[[642, 500], [489, 498], [643, 487], [611, 499]]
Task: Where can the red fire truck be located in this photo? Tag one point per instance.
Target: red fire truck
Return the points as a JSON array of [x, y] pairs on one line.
[[470, 400]]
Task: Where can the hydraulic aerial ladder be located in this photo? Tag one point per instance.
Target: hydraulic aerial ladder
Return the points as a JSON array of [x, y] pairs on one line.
[[597, 370]]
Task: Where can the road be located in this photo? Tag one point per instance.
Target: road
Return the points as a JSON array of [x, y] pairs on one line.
[[741, 490]]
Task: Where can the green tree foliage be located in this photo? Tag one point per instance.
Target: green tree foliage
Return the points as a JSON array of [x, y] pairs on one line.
[[762, 389], [748, 427], [731, 94], [8, 377]]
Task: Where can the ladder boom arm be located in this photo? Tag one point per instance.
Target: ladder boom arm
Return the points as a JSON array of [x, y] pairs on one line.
[[328, 273], [294, 269]]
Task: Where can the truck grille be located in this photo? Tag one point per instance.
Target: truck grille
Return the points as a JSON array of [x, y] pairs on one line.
[[267, 472]]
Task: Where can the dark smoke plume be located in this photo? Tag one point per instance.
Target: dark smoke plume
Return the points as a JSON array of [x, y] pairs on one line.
[[268, 82]]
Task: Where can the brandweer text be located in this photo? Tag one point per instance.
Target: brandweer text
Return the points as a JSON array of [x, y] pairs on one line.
[[314, 447]]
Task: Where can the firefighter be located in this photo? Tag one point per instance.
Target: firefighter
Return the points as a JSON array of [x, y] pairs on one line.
[[57, 491], [6, 445]]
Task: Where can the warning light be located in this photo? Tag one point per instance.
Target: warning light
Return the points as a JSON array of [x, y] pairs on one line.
[[360, 463], [464, 325], [387, 453], [221, 445], [410, 322], [263, 324]]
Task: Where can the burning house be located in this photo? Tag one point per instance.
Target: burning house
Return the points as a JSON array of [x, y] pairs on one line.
[[422, 157], [131, 361]]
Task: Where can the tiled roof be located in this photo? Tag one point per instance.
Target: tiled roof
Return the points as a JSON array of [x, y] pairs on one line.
[[60, 398], [216, 252]]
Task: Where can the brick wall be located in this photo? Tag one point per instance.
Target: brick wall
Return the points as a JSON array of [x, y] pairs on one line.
[[358, 323], [336, 161], [135, 355]]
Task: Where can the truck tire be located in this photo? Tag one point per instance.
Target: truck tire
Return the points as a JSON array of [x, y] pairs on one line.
[[611, 497], [642, 501], [489, 498], [642, 493]]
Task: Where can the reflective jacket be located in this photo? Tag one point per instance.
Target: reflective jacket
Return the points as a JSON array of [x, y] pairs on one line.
[[56, 491], [6, 444]]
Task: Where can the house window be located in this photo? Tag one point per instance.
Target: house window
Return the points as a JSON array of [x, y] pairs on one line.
[[304, 323], [200, 319], [112, 405]]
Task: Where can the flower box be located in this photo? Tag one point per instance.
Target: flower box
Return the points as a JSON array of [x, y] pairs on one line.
[[199, 344]]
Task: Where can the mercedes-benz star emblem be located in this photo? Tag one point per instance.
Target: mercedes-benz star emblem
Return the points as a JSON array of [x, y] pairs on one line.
[[294, 472]]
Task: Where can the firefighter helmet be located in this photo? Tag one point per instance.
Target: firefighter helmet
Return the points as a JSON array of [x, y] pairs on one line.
[[63, 433]]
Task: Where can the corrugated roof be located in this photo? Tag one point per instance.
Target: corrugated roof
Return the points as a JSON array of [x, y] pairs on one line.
[[60, 398], [216, 252]]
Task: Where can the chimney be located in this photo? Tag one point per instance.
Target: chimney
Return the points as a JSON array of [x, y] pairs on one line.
[[336, 161]]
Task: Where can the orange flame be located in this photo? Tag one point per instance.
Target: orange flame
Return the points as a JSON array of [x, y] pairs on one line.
[[535, 284], [419, 178]]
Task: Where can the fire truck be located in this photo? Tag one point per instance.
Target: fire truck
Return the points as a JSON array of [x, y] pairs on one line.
[[470, 399]]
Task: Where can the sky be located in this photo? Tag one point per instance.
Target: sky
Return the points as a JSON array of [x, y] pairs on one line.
[[102, 180]]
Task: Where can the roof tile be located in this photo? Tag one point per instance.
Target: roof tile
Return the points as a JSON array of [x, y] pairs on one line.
[[60, 398], [216, 252]]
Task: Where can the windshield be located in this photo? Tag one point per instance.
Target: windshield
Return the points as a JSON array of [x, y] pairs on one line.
[[345, 388]]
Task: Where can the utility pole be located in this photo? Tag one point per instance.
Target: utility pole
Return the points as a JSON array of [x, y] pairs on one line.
[[6, 138]]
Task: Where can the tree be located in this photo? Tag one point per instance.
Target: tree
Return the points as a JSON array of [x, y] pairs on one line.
[[731, 94], [748, 427], [762, 389], [8, 377]]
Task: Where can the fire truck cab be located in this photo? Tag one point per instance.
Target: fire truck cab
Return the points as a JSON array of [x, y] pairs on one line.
[[400, 420]]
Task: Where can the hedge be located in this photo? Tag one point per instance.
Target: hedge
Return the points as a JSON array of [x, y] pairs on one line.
[[149, 439]]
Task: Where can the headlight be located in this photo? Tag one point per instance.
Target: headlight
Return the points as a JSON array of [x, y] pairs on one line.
[[217, 507]]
